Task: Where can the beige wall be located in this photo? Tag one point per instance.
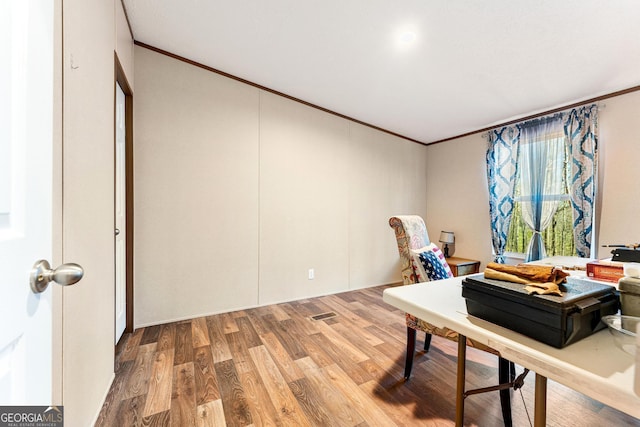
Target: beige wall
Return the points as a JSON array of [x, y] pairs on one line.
[[387, 176], [196, 191], [239, 192], [620, 175], [303, 201], [457, 196], [124, 42], [89, 36]]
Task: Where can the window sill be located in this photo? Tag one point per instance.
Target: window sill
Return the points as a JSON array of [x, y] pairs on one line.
[[515, 255], [512, 257]]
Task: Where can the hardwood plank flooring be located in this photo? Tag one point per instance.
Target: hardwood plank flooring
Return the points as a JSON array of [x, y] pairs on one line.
[[160, 383], [211, 414], [275, 366], [199, 332], [207, 388], [278, 390], [184, 344], [138, 380], [183, 397]]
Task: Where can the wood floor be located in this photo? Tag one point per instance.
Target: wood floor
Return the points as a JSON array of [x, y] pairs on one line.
[[276, 366]]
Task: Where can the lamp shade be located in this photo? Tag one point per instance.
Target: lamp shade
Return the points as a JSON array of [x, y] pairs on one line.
[[447, 237]]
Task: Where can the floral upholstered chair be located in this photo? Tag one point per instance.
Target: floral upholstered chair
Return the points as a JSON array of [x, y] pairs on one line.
[[418, 257]]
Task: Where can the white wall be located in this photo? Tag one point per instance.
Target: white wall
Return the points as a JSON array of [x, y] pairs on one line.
[[304, 194], [239, 192], [387, 176], [620, 175], [124, 42], [90, 32], [196, 191], [457, 195]]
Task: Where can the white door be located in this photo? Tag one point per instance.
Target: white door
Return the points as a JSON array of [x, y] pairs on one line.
[[26, 146], [120, 214]]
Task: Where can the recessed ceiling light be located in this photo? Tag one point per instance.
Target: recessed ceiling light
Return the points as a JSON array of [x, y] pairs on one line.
[[407, 37]]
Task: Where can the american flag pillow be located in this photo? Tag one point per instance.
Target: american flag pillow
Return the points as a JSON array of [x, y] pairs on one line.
[[430, 264]]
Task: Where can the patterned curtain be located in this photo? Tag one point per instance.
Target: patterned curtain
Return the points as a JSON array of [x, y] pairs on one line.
[[502, 167], [581, 130]]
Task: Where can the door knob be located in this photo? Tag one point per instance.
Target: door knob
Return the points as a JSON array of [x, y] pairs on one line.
[[117, 231], [42, 274]]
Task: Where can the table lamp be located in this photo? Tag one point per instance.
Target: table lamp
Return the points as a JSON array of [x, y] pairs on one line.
[[448, 238]]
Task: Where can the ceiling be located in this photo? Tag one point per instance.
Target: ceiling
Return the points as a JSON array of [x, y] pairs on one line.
[[424, 69]]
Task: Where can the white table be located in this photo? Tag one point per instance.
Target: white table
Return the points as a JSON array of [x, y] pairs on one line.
[[594, 366]]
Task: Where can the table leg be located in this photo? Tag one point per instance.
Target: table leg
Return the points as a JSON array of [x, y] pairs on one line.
[[460, 382], [540, 414]]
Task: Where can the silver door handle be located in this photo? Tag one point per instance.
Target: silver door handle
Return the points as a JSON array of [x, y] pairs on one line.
[[117, 231], [42, 274]]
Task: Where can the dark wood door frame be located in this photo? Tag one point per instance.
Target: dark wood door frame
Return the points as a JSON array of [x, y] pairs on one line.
[[121, 79]]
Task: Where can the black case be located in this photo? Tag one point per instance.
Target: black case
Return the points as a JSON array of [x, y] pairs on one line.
[[551, 319], [625, 255]]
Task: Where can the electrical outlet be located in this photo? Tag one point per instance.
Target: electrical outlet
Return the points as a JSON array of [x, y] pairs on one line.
[[312, 274]]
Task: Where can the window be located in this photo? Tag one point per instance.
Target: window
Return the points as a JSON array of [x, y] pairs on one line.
[[558, 236], [542, 175]]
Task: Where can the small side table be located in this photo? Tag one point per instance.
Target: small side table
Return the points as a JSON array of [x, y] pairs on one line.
[[463, 266]]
